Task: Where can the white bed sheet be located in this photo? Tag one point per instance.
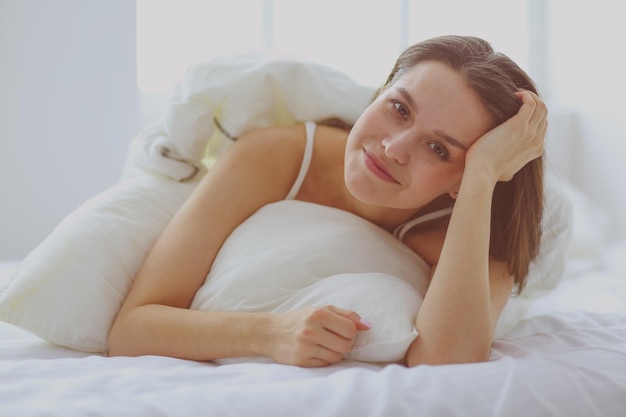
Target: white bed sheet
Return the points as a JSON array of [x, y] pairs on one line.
[[567, 358]]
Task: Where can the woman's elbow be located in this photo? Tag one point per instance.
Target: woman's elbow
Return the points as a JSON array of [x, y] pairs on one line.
[[419, 354], [118, 340]]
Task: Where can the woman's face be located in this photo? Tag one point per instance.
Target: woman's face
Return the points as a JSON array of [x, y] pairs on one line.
[[408, 147]]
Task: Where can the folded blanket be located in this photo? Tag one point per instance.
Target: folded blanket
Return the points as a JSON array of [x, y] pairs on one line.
[[223, 98]]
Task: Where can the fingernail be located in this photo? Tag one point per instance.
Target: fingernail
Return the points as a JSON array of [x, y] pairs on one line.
[[366, 323]]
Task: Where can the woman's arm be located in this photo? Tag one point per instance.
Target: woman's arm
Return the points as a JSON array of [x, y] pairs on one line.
[[155, 318], [468, 290]]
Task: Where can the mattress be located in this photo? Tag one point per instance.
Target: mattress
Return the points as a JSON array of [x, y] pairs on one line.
[[567, 357]]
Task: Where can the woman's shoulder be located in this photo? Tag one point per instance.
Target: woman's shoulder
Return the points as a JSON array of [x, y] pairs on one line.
[[287, 142], [273, 153], [287, 137], [284, 135], [280, 152]]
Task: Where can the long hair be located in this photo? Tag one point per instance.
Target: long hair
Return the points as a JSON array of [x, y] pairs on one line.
[[517, 206]]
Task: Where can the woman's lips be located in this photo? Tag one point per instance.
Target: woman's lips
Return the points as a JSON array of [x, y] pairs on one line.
[[378, 168]]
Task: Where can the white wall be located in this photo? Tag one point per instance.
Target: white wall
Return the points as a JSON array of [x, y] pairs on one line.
[[69, 105], [68, 109], [587, 69]]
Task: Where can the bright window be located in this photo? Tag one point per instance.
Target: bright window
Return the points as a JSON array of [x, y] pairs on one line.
[[173, 34], [359, 37], [503, 23]]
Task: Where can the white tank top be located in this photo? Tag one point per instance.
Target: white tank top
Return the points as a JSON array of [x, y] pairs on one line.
[[306, 161]]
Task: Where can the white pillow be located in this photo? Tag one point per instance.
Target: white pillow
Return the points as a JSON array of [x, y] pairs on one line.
[[69, 289], [293, 254], [388, 302]]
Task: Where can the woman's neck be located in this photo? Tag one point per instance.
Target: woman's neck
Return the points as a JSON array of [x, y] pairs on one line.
[[390, 218]]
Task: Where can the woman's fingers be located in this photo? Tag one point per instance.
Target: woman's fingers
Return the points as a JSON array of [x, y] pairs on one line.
[[505, 149], [529, 103], [533, 110], [360, 323], [334, 331], [537, 125], [341, 329], [317, 336]]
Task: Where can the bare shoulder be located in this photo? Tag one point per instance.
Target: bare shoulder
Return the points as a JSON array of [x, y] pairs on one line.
[[258, 169], [289, 138], [283, 141], [282, 150], [273, 152], [273, 133]]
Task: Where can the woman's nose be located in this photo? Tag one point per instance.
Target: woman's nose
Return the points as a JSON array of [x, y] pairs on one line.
[[396, 147]]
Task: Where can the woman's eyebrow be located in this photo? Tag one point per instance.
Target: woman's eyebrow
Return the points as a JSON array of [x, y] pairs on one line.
[[450, 140], [439, 133], [405, 95]]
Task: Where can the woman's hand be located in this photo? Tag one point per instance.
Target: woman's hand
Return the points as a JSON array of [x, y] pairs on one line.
[[313, 337], [511, 145]]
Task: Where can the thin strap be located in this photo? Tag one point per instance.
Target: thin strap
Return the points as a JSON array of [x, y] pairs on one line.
[[306, 161], [405, 227]]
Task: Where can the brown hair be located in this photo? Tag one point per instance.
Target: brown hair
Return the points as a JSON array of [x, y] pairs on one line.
[[517, 204]]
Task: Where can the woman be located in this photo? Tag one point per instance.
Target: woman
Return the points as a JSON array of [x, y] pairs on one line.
[[455, 125]]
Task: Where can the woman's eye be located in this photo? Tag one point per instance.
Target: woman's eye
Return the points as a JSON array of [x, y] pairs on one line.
[[401, 109], [440, 150]]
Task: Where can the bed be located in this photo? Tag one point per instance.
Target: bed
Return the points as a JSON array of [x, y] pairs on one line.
[[563, 355]]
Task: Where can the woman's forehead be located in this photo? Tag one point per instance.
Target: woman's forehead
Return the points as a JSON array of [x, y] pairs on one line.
[[443, 96]]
